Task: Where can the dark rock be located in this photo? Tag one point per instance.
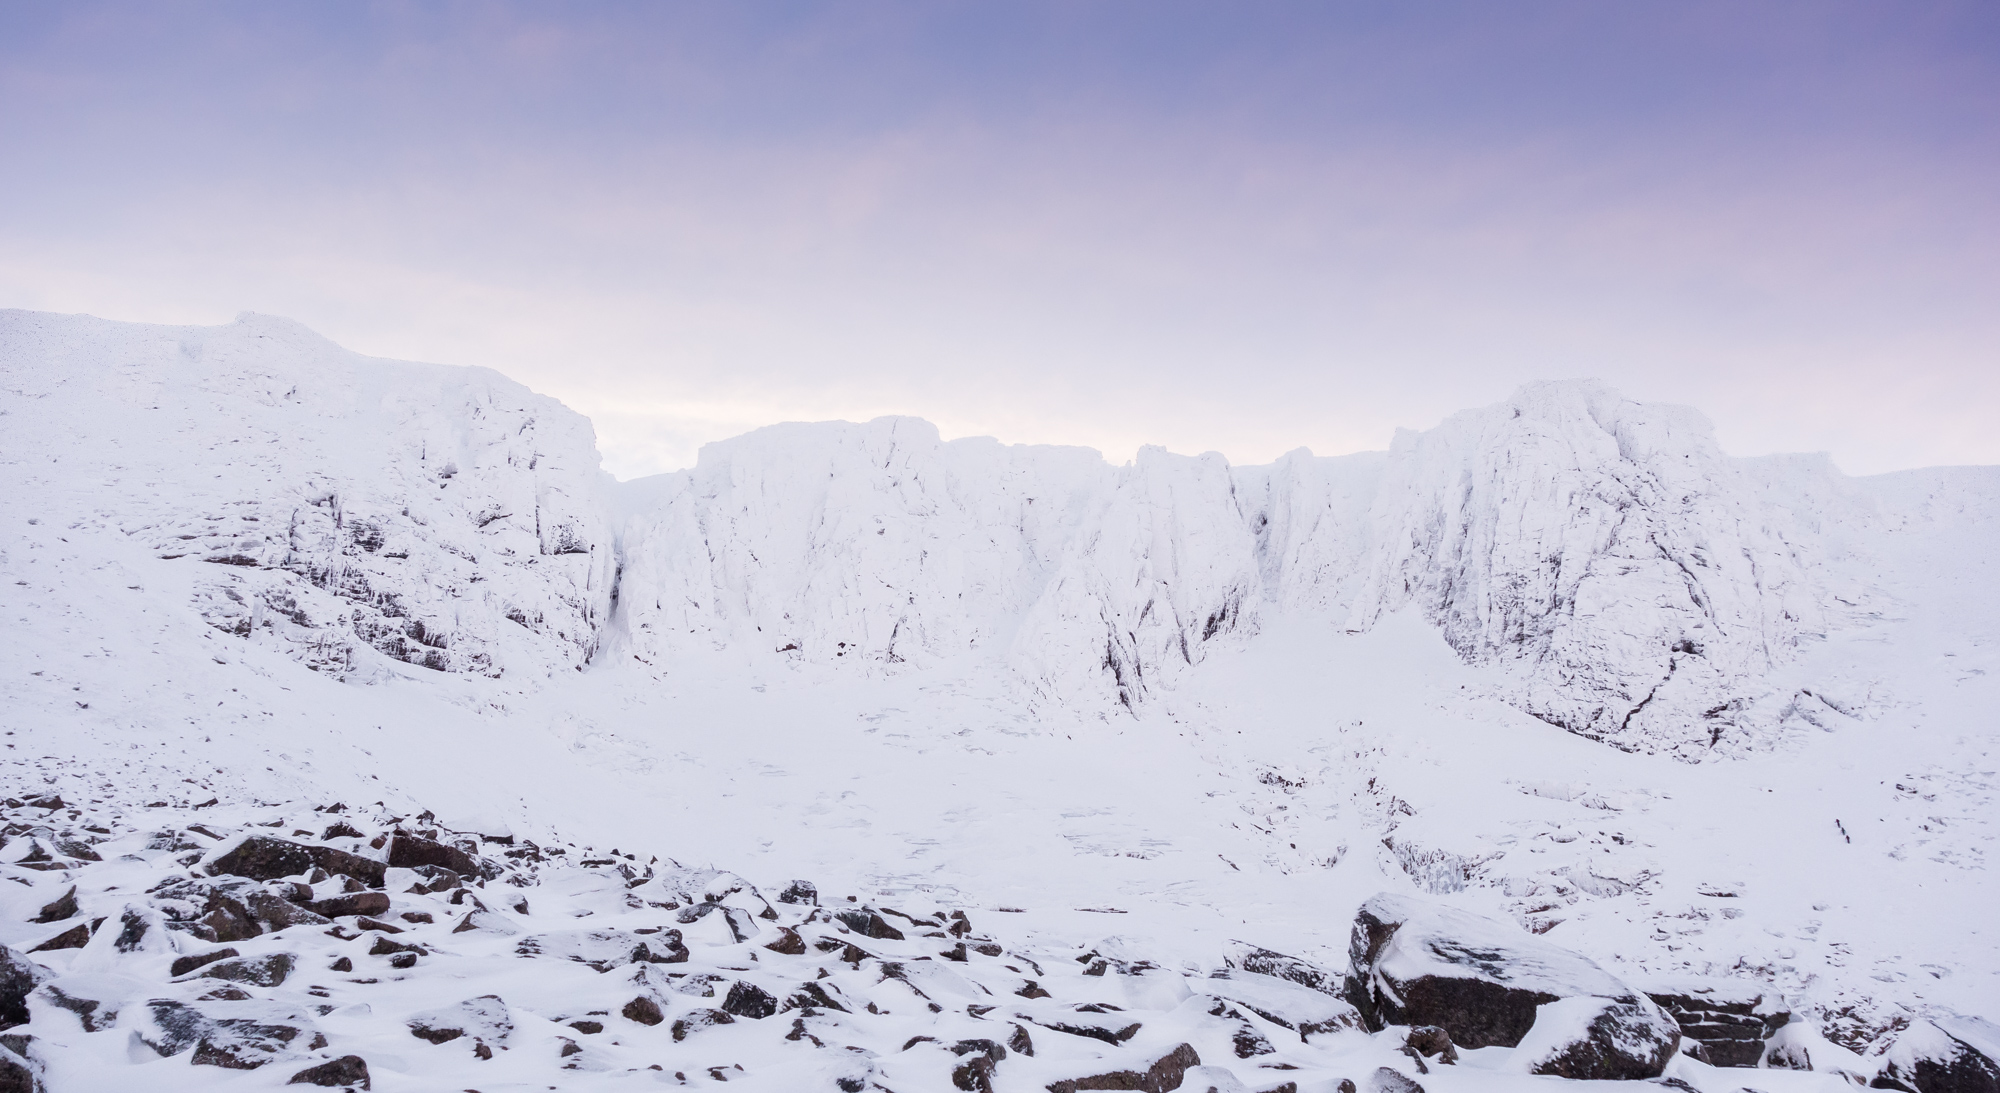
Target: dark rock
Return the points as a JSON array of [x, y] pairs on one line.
[[799, 891], [49, 801], [358, 903], [341, 965], [1420, 963], [484, 1018], [385, 947], [1021, 1042], [976, 1073], [815, 996], [236, 1043], [19, 977], [274, 913], [867, 923], [749, 1000], [76, 937], [228, 918], [403, 960], [61, 908], [696, 1020], [643, 1010], [1285, 1002], [1109, 1033], [789, 942], [376, 924], [348, 1070], [263, 971], [17, 1075], [341, 829], [741, 926], [186, 964], [1943, 1055], [262, 857], [1305, 973], [436, 878], [1385, 1080], [416, 918], [1429, 1040], [89, 1011], [1165, 1074], [1600, 1039], [410, 852], [1730, 1021], [589, 1028]]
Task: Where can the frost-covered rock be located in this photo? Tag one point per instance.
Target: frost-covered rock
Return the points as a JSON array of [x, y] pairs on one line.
[[1731, 1020], [1943, 1055], [339, 508], [1604, 1039], [1422, 963], [838, 543], [1605, 551]]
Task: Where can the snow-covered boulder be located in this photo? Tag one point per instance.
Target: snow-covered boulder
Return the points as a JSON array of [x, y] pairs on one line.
[[1943, 1055], [1421, 963], [1605, 1039], [1731, 1020], [19, 977]]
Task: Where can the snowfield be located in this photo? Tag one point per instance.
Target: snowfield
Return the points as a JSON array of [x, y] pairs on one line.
[[1722, 732]]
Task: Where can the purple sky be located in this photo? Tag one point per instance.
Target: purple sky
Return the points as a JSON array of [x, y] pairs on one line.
[[1240, 227]]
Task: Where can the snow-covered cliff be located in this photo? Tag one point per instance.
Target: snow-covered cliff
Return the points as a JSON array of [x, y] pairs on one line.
[[352, 511], [1631, 581]]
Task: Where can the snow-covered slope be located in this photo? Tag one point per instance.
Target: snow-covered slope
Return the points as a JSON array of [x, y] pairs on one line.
[[1174, 701]]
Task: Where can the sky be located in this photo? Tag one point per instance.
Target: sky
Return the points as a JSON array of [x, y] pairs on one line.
[[1243, 227]]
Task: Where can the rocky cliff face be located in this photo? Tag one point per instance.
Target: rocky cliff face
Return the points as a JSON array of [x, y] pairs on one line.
[[357, 513], [1631, 580], [1606, 552]]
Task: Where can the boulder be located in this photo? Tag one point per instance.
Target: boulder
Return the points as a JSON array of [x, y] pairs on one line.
[[483, 1020], [749, 1000], [1304, 1009], [605, 949], [1385, 1080], [799, 891], [1421, 963], [643, 1010], [1943, 1055], [1164, 1074], [354, 903], [60, 908], [268, 970], [262, 857], [411, 852], [1600, 1039], [186, 964], [19, 976], [694, 1021], [18, 1073], [76, 937], [348, 1070], [866, 922], [975, 1074], [1244, 956], [1729, 1021]]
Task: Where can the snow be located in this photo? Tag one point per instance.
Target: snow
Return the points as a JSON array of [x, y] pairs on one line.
[[1323, 692]]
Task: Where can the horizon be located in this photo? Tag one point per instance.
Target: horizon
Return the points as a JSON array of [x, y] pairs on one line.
[[1226, 231]]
